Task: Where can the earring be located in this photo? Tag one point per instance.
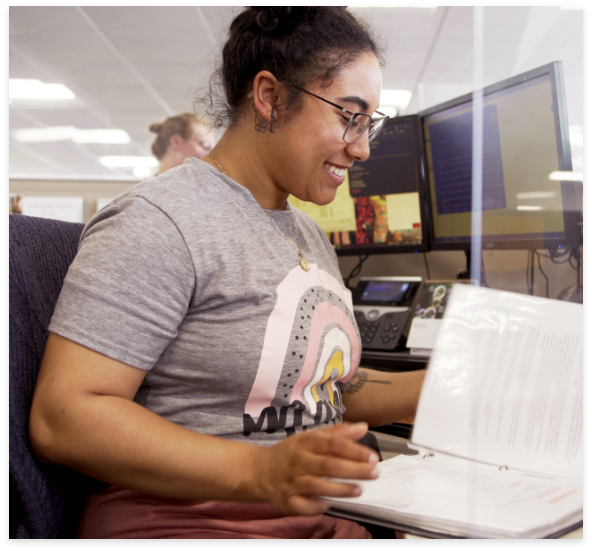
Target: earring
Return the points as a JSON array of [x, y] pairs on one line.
[[272, 121]]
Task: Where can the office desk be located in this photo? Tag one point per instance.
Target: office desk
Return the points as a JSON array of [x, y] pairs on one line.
[[390, 446]]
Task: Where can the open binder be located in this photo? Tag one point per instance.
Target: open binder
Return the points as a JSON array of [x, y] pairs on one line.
[[498, 426]]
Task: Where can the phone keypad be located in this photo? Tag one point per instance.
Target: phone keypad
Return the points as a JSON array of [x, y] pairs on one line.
[[368, 330], [382, 333], [390, 331]]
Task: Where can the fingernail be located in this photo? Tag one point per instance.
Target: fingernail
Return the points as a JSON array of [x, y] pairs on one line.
[[373, 458], [375, 473], [357, 492]]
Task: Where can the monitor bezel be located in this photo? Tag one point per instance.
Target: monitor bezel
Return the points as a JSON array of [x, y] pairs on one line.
[[572, 214], [378, 248]]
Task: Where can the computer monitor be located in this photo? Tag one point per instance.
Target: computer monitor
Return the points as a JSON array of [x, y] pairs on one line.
[[382, 205], [525, 144]]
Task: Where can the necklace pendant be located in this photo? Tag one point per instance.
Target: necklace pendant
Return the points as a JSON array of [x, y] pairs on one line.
[[304, 265]]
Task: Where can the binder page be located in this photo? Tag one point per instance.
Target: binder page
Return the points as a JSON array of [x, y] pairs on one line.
[[467, 499], [504, 383]]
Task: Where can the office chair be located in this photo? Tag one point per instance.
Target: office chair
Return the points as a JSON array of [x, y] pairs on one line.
[[45, 501]]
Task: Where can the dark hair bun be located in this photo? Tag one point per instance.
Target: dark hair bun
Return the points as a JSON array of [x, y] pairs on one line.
[[282, 19]]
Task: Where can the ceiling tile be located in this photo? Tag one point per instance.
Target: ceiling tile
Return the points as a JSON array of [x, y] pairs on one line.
[[19, 66], [60, 48], [174, 74], [40, 19], [118, 97], [98, 74], [154, 22], [182, 48]]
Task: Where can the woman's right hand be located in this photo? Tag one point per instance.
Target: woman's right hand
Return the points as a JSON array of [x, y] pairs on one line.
[[296, 472]]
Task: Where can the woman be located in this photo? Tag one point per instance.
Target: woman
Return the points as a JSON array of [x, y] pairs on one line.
[[203, 353], [180, 137]]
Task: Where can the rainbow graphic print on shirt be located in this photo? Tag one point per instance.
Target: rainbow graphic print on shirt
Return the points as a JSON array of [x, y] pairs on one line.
[[311, 347]]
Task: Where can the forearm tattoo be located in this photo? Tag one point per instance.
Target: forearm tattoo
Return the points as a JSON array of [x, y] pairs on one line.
[[360, 379]]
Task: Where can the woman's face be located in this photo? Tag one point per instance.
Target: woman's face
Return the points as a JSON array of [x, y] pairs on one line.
[[199, 144], [311, 156]]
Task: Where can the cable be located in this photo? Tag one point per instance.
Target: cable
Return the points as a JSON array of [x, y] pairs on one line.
[[530, 272], [541, 270], [555, 254], [425, 259], [527, 271], [483, 282], [575, 253], [557, 257], [567, 255], [577, 267], [356, 270]]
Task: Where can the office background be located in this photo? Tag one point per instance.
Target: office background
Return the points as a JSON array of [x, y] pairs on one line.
[[131, 66]]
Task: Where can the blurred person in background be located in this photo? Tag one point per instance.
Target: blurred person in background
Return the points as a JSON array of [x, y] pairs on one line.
[[180, 137], [14, 204]]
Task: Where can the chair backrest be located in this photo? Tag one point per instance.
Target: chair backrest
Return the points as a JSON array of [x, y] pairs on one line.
[[45, 500]]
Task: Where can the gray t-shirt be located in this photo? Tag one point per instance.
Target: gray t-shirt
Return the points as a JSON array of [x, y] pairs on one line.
[[185, 276]]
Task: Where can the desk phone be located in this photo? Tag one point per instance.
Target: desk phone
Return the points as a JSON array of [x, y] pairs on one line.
[[382, 308]]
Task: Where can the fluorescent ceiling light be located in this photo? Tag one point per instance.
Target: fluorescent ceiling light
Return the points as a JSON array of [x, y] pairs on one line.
[[38, 135], [101, 135], [536, 195], [564, 176], [77, 135], [571, 8], [121, 161], [32, 89], [389, 110], [529, 207], [398, 99]]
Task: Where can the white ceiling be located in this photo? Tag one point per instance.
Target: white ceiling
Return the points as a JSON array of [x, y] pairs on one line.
[[132, 66]]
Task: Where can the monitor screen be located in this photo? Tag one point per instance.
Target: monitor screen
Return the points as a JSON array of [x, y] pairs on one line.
[[381, 207], [384, 291], [525, 144]]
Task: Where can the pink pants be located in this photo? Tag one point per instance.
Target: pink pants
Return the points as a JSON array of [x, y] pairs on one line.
[[117, 513]]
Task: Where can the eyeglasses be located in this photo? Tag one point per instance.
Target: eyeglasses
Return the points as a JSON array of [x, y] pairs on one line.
[[358, 122]]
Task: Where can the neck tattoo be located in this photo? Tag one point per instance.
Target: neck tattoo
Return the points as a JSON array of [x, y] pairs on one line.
[[303, 262]]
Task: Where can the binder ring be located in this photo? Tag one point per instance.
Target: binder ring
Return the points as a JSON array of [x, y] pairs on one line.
[[428, 455], [504, 467]]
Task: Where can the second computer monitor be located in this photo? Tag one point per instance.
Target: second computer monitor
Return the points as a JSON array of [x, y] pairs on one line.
[[381, 207], [525, 149]]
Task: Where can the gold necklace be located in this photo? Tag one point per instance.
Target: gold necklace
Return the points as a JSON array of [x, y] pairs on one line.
[[303, 262]]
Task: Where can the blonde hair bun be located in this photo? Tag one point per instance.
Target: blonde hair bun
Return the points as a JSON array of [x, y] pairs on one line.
[[155, 127]]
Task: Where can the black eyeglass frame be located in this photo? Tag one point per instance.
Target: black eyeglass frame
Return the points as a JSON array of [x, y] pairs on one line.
[[371, 135]]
